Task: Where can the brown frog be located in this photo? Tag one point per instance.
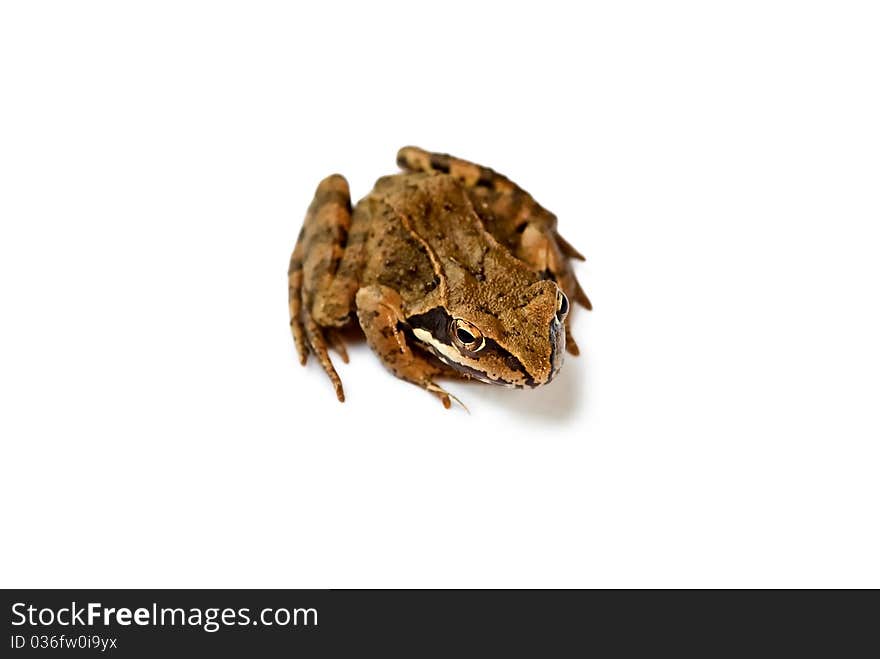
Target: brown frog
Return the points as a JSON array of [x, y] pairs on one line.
[[450, 269]]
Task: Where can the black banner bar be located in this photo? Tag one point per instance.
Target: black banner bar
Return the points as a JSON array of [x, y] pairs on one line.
[[133, 623]]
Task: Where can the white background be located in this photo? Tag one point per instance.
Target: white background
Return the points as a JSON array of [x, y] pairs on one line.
[[718, 163]]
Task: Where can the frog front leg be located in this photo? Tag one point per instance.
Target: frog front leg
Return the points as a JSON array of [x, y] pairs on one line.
[[380, 313], [320, 287]]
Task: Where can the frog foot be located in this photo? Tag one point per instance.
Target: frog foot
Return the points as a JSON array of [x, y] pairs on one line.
[[308, 335], [317, 344]]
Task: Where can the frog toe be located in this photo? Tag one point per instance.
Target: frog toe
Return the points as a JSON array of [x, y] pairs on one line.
[[318, 345], [445, 397]]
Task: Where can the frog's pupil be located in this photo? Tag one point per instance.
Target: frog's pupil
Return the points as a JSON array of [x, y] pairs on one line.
[[464, 336]]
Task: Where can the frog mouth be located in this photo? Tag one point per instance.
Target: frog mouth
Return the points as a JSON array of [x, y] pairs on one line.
[[477, 374]]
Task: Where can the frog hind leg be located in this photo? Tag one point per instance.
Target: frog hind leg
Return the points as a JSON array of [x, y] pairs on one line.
[[379, 311], [312, 281], [513, 218], [414, 159]]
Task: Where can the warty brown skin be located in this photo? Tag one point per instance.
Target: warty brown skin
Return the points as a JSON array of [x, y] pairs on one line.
[[449, 269]]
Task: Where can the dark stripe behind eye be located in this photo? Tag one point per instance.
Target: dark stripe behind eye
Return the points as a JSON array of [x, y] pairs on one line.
[[435, 322]]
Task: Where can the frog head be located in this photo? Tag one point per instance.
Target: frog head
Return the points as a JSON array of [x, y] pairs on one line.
[[505, 330]]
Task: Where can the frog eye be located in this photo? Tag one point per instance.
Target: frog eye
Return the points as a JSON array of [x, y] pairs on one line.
[[466, 335], [561, 305]]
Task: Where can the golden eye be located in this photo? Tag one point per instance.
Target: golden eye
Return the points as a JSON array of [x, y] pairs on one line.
[[466, 335], [561, 305]]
